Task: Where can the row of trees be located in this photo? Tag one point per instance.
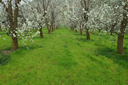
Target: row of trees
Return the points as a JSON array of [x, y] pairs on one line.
[[24, 19], [108, 15]]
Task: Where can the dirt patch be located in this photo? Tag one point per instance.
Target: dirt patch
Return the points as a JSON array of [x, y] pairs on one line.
[[6, 52]]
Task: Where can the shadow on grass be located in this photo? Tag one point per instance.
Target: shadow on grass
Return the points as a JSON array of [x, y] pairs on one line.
[[3, 33], [4, 59], [121, 60], [29, 47], [8, 48], [52, 33], [38, 37], [84, 39], [80, 34], [126, 38]]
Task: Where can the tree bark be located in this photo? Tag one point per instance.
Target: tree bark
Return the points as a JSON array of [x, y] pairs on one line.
[[52, 29], [14, 38], [75, 30], [80, 31], [122, 29], [120, 44], [41, 33], [0, 28], [99, 30], [49, 31], [111, 31], [47, 27], [15, 43], [87, 34], [13, 24], [106, 29], [56, 28]]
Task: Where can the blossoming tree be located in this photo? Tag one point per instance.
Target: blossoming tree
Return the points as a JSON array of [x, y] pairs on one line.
[[112, 16], [10, 12]]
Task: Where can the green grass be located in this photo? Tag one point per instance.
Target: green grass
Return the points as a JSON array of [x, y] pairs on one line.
[[63, 58]]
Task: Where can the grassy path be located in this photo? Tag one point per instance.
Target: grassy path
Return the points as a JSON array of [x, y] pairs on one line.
[[63, 58]]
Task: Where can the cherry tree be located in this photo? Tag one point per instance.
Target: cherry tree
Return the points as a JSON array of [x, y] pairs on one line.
[[113, 16], [122, 24], [110, 15], [74, 15], [53, 14], [10, 12], [42, 8], [80, 14]]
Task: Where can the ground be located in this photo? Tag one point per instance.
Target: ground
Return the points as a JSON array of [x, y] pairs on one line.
[[64, 58]]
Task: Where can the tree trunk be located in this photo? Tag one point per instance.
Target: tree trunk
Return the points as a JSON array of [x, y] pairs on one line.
[[99, 30], [120, 44], [80, 31], [0, 28], [49, 31], [15, 43], [106, 29], [87, 34], [75, 30], [47, 27], [122, 29], [56, 27], [111, 31], [52, 29], [41, 33]]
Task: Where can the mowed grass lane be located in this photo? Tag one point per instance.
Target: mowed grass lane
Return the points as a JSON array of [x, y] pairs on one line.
[[64, 58]]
